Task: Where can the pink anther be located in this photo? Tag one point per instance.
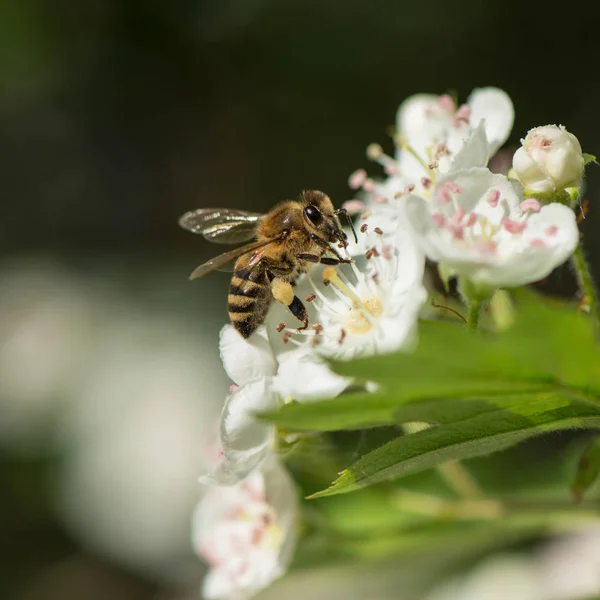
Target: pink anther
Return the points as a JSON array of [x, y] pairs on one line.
[[356, 180], [493, 198], [531, 205], [514, 226]]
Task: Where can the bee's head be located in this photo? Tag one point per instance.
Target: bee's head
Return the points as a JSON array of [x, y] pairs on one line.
[[321, 217]]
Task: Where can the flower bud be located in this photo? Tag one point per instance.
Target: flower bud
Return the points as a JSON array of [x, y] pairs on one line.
[[549, 160]]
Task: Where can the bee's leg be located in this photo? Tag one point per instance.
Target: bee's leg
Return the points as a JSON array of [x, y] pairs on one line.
[[315, 258], [329, 248], [284, 292]]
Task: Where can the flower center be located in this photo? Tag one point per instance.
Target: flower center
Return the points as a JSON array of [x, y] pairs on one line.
[[479, 231], [360, 318]]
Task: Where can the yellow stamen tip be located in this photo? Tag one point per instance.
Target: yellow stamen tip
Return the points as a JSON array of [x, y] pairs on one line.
[[329, 273]]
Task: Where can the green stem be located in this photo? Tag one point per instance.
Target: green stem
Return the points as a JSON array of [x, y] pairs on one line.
[[473, 314], [460, 480], [587, 286]]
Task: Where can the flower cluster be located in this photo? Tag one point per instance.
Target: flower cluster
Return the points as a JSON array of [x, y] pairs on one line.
[[439, 201]]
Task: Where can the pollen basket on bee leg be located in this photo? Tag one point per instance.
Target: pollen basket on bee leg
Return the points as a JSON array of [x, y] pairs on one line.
[[282, 291]]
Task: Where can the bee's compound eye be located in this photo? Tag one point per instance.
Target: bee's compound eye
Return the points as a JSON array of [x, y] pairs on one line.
[[313, 214]]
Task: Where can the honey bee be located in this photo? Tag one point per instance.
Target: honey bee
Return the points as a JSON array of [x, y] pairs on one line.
[[288, 239]]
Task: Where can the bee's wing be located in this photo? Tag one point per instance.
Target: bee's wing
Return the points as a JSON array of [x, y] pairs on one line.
[[223, 259], [222, 225]]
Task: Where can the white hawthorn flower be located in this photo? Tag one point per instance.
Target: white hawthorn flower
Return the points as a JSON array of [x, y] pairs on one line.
[[477, 225], [431, 133], [368, 310], [434, 137], [247, 532], [549, 160], [263, 381], [435, 128]]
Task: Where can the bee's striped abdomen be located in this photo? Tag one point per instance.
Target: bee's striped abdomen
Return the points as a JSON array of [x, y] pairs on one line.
[[248, 300]]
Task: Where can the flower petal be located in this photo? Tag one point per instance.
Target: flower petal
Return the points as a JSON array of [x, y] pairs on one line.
[[305, 376], [495, 106], [246, 360], [474, 151], [245, 440], [550, 238]]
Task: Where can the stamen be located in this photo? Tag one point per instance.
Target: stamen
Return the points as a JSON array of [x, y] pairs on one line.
[[363, 228], [311, 297], [530, 204], [471, 219], [463, 115], [426, 182], [342, 336], [439, 220], [374, 151], [378, 231], [454, 187], [443, 194], [286, 337], [386, 252], [379, 199], [280, 327], [340, 288], [446, 102], [353, 207], [458, 232], [357, 179], [369, 185], [493, 198], [440, 151], [514, 226]]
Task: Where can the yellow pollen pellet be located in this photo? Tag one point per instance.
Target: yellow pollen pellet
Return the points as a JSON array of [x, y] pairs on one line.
[[282, 291]]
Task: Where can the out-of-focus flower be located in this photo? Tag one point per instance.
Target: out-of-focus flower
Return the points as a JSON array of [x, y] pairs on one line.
[[133, 439], [47, 322], [434, 128], [549, 160], [247, 532], [499, 578], [571, 566], [478, 227], [565, 569], [434, 136]]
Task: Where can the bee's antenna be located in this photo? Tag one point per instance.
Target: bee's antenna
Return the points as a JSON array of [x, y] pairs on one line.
[[349, 221]]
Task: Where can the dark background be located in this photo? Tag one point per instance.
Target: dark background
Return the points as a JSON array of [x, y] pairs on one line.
[[118, 116]]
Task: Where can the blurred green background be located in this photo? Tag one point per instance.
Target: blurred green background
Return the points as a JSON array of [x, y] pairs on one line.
[[118, 116]]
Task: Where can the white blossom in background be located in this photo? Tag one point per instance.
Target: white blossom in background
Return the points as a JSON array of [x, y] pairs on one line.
[[479, 227], [435, 128], [565, 569], [549, 160], [247, 532], [431, 135]]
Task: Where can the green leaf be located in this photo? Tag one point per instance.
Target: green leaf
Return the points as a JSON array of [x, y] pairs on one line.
[[551, 348], [589, 158], [493, 427], [588, 470]]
